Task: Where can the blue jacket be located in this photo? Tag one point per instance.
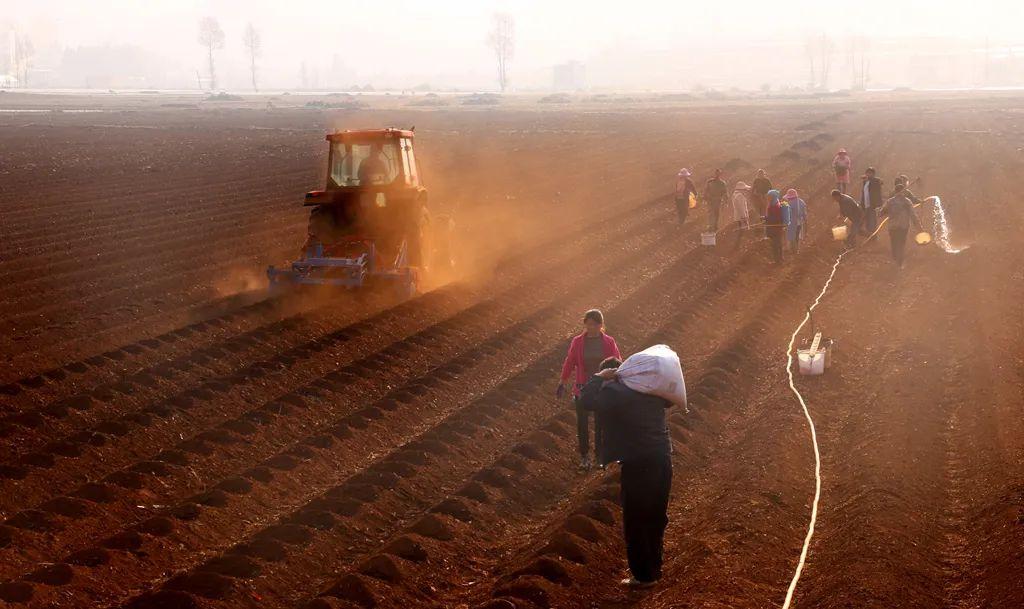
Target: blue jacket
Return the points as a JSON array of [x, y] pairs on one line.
[[634, 422]]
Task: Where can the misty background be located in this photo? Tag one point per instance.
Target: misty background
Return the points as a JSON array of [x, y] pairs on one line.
[[345, 45]]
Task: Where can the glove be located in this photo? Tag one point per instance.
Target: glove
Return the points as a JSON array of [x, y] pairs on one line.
[[560, 392]]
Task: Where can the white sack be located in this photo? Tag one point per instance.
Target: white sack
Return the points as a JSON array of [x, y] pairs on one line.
[[655, 370]]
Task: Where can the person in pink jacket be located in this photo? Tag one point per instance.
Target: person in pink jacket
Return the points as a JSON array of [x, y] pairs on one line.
[[842, 164], [586, 352]]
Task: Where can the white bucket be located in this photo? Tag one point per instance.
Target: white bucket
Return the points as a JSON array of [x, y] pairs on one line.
[[812, 365], [707, 238], [839, 233]]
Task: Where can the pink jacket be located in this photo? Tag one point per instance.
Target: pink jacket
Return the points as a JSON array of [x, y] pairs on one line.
[[574, 359]]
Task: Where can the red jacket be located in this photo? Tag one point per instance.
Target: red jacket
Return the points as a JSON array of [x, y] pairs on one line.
[[574, 359]]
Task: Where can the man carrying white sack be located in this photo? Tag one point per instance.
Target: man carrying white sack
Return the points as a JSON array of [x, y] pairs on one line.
[[634, 398]]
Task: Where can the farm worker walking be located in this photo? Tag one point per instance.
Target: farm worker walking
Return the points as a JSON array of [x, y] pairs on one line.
[[903, 182], [685, 190], [871, 199], [586, 352], [638, 439], [715, 192], [901, 214], [797, 219], [741, 205], [841, 165], [759, 193], [850, 210], [776, 219]]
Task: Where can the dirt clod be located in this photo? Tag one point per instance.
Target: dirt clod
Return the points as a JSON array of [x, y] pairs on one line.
[[408, 548], [382, 567], [164, 599], [232, 565], [59, 574], [16, 592], [434, 527], [354, 588], [213, 586]]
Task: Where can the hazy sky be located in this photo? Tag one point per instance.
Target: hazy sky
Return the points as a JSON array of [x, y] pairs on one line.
[[409, 41]]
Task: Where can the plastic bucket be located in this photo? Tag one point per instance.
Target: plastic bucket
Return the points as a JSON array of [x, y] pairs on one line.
[[811, 366], [707, 238], [839, 233]]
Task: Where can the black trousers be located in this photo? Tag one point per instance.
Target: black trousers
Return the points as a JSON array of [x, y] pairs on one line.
[[775, 237], [898, 241], [870, 220], [645, 491], [855, 228], [583, 417], [682, 209], [714, 209]]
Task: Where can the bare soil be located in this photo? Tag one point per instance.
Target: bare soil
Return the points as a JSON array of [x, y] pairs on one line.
[[171, 437]]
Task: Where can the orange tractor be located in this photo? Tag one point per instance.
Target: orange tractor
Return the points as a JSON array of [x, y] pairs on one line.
[[371, 223]]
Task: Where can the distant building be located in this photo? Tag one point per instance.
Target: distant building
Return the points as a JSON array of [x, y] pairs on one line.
[[570, 76]]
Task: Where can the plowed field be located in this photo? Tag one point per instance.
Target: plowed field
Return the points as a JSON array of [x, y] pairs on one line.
[[171, 437]]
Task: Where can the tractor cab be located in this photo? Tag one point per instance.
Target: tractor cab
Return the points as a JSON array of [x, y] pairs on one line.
[[380, 158], [371, 220]]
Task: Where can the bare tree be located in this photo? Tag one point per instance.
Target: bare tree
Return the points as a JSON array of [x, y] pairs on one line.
[[826, 48], [253, 46], [502, 40], [211, 37], [819, 50], [809, 49], [23, 52]]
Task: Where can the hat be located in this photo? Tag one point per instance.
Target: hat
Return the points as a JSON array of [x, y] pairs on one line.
[[684, 172], [842, 151], [792, 194], [773, 194], [741, 185]]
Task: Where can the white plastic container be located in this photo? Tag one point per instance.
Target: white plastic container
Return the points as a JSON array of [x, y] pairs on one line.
[[839, 232], [707, 238], [811, 365]]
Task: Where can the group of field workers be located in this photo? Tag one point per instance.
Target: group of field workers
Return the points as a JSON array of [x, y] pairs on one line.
[[628, 401], [863, 216], [784, 216]]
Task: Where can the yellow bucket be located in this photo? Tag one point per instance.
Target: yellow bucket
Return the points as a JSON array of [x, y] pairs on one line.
[[693, 201], [923, 238], [839, 232]]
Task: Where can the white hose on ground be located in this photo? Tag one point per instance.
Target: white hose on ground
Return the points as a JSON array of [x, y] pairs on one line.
[[814, 433], [942, 237]]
